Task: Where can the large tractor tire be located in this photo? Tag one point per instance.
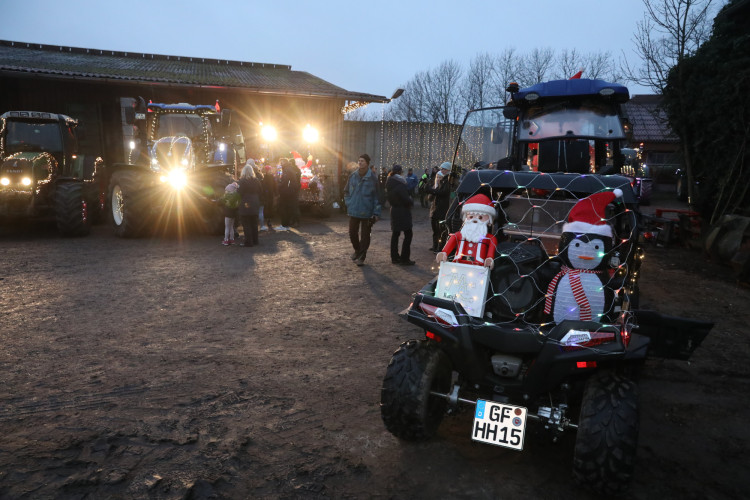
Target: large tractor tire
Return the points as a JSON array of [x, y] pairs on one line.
[[607, 434], [71, 210], [127, 204], [408, 409]]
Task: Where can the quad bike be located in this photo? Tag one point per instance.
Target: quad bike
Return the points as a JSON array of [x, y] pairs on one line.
[[510, 359]]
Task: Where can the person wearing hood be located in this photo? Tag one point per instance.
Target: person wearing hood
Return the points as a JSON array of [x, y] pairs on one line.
[[397, 193], [441, 200], [249, 189]]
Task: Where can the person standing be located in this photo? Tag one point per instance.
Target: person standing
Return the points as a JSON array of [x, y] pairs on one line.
[[441, 200], [229, 202], [411, 182], [287, 196], [362, 207], [270, 191], [398, 195], [249, 189]]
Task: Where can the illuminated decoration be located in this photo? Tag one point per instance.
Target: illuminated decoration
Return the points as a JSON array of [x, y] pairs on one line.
[[310, 134], [268, 132], [352, 106], [416, 145], [530, 220], [464, 283]]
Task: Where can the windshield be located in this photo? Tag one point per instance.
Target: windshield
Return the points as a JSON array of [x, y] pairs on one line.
[[39, 136], [179, 125], [587, 120], [485, 139]]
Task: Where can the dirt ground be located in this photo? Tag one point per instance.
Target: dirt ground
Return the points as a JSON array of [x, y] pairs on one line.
[[179, 368]]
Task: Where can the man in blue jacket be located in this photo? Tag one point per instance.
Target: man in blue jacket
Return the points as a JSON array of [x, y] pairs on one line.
[[363, 207]]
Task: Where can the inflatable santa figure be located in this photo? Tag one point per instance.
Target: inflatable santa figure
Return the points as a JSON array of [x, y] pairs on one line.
[[474, 243], [578, 291]]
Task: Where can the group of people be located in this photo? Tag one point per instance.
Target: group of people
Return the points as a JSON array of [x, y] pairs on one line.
[[363, 201], [262, 192], [255, 198]]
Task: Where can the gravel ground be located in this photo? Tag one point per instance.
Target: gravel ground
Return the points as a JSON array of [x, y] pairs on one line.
[[179, 368]]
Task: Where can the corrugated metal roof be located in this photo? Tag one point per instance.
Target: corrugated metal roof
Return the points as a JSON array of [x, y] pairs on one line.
[[97, 64], [648, 120]]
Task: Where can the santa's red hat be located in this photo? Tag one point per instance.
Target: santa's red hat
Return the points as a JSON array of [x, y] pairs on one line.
[[479, 204], [588, 216]]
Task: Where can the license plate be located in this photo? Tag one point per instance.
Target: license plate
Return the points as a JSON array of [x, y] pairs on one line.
[[499, 424]]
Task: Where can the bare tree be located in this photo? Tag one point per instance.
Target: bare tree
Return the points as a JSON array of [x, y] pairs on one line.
[[670, 31], [363, 114], [443, 98], [569, 62], [507, 69], [413, 104], [536, 66], [478, 86]]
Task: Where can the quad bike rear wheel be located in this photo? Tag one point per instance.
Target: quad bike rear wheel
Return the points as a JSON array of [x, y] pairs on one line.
[[406, 406], [607, 436], [71, 210]]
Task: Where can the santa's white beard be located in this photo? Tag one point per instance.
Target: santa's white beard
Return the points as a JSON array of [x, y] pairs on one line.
[[473, 231]]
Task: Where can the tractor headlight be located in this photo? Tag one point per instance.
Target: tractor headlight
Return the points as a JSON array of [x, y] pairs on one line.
[[26, 181], [5, 181], [176, 178]]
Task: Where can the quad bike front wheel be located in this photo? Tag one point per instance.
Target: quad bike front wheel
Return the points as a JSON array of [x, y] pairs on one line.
[[71, 210], [607, 434], [408, 409]]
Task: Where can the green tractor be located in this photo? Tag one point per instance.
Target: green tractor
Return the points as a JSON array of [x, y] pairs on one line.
[[42, 176]]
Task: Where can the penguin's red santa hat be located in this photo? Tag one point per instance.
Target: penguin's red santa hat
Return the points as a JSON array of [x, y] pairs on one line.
[[588, 216], [479, 204]]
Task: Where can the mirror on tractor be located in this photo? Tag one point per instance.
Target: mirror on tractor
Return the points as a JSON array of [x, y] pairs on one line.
[[226, 118], [496, 136], [130, 116], [81, 132], [510, 112]]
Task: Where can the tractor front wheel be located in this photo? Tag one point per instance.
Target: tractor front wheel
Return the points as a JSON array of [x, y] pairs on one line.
[[126, 201]]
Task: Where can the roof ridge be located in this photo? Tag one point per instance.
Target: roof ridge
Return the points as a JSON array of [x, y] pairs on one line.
[[139, 55]]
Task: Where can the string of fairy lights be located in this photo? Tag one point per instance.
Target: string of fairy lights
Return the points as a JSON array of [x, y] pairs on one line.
[[518, 207], [416, 145]]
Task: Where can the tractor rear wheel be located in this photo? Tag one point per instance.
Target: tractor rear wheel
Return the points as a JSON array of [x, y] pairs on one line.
[[71, 210]]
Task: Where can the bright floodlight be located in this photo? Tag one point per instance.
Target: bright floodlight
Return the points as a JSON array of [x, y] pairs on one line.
[[177, 178], [310, 134], [268, 133]]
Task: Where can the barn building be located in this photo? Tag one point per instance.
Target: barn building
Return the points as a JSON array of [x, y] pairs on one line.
[[95, 86]]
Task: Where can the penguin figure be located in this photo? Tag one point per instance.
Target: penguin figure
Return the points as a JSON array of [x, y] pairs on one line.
[[579, 290]]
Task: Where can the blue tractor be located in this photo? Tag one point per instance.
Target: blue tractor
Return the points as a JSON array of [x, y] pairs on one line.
[[178, 161]]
